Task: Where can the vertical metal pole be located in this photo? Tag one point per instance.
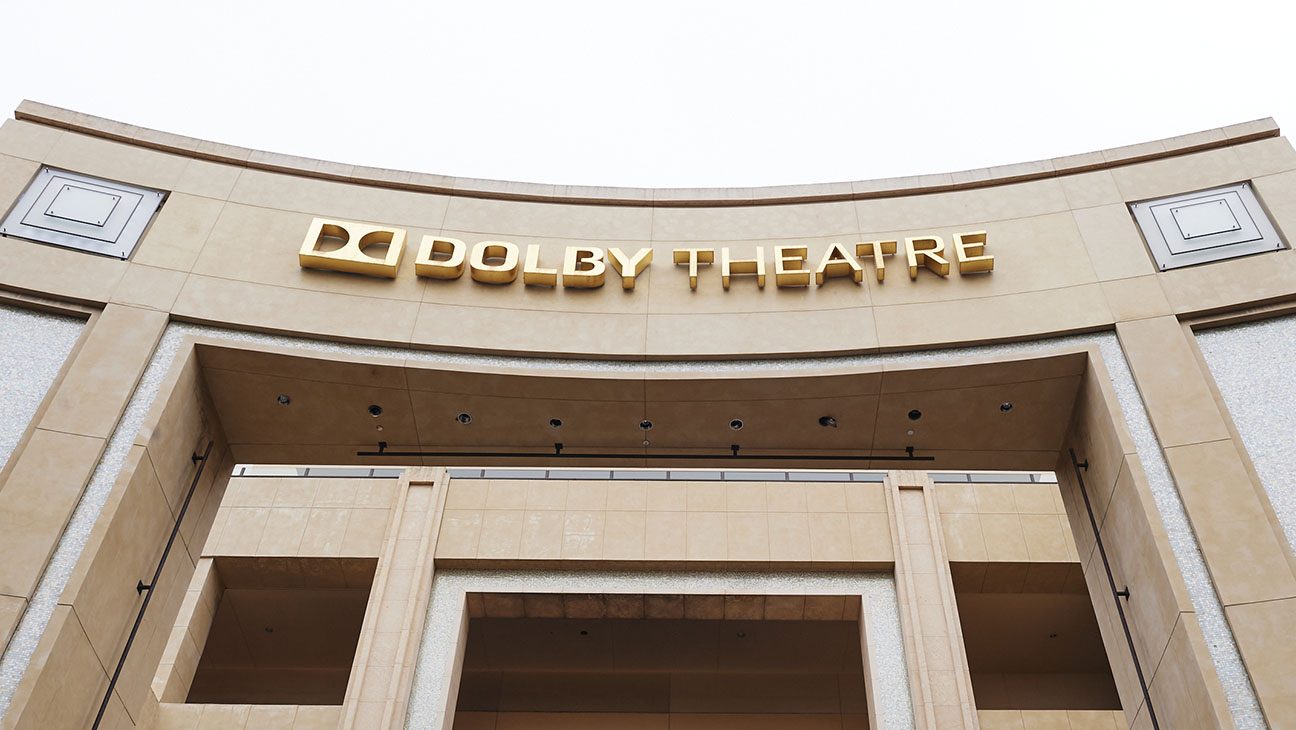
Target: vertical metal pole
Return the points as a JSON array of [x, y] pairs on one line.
[[1111, 583], [148, 588]]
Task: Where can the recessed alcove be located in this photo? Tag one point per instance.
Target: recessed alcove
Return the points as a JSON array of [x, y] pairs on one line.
[[532, 672], [284, 631], [1035, 650]]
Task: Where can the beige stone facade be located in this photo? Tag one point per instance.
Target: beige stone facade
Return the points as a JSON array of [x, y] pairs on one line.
[[311, 601]]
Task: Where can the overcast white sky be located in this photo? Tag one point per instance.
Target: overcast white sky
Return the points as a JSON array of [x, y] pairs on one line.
[[660, 93]]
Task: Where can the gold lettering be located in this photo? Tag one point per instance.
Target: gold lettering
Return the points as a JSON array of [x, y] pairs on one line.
[[350, 256], [450, 265], [362, 248], [877, 249], [928, 250], [500, 273], [969, 248], [742, 267], [693, 257], [837, 261], [532, 274], [631, 267], [796, 275], [583, 267]]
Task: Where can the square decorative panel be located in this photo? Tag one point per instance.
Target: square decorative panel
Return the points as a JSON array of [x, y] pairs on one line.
[[1210, 225], [82, 212]]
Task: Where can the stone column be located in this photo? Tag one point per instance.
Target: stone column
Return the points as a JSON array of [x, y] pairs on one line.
[[77, 651], [940, 683], [1249, 561], [50, 471], [383, 670]]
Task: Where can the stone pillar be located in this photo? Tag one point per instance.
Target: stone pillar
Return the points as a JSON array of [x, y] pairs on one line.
[[52, 469], [1249, 561], [940, 683], [66, 677], [383, 670]]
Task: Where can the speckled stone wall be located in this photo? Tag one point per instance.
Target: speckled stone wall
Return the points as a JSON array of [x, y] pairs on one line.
[[1252, 367], [33, 346]]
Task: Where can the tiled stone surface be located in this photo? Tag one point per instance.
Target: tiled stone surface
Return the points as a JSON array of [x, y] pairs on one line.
[[304, 517], [747, 522], [175, 716], [1052, 720], [1005, 522]]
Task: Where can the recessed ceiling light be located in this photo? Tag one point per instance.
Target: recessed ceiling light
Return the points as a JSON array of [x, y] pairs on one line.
[[1006, 406], [736, 424], [646, 424], [375, 410], [464, 418], [828, 422], [555, 423], [915, 414], [283, 399]]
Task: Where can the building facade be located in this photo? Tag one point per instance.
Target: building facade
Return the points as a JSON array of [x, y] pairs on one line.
[[1004, 448]]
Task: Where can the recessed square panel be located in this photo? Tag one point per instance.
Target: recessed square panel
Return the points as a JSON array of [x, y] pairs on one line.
[[1210, 225], [82, 212], [1205, 219], [83, 205]]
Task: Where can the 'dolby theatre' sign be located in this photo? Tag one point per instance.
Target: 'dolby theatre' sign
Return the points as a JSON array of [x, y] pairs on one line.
[[341, 246]]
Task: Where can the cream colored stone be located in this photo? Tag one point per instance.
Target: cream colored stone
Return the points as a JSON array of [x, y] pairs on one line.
[[501, 534], [706, 535], [1090, 189], [625, 535], [95, 389], [1116, 249], [1138, 297], [1171, 382], [149, 287], [665, 536], [542, 535]]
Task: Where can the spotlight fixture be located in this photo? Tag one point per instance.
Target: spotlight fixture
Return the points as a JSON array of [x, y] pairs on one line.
[[375, 410], [828, 422], [283, 399], [645, 424], [915, 414], [1006, 406], [464, 418], [736, 424], [555, 423]]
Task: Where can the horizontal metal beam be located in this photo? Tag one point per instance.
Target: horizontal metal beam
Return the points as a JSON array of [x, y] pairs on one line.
[[558, 453]]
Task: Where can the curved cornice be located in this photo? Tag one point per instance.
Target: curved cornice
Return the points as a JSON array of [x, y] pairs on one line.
[[626, 196]]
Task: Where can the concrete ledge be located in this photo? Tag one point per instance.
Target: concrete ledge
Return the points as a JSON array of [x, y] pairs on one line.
[[1235, 134]]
